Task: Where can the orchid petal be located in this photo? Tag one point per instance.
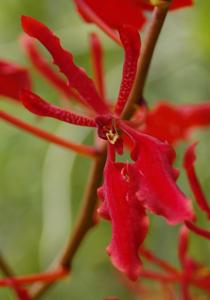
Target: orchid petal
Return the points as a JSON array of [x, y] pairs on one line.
[[42, 108], [77, 78], [129, 222], [89, 15], [13, 78], [131, 43], [158, 190], [97, 63], [183, 245], [22, 293], [45, 69], [180, 4], [198, 230], [189, 160], [115, 13], [173, 123]]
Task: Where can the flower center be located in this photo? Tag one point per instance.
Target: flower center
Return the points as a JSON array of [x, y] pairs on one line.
[[112, 136], [107, 128]]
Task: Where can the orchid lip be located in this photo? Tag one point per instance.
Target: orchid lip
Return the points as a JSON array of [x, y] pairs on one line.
[[108, 128], [112, 136]]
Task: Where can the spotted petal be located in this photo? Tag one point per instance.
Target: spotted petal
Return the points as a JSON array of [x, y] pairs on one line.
[[158, 191], [129, 222], [77, 77]]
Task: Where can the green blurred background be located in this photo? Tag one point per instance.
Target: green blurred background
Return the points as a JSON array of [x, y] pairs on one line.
[[41, 185]]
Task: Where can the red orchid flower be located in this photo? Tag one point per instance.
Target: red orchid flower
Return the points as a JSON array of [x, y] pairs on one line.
[[13, 78], [148, 182], [113, 14]]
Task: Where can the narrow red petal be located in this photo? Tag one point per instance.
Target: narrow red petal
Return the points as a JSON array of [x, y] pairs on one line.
[[185, 289], [12, 79], [197, 230], [45, 69], [173, 123], [181, 3], [42, 134], [42, 108], [158, 190], [161, 277], [129, 222], [150, 256], [97, 63], [183, 245], [22, 293], [115, 13], [196, 114], [77, 77], [189, 161], [131, 42], [41, 277]]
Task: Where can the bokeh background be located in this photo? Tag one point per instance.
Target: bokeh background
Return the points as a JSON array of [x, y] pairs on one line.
[[41, 185]]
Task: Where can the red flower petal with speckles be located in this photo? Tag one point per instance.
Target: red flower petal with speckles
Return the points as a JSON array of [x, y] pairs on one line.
[[45, 69], [77, 77], [157, 181], [42, 108], [129, 222], [12, 79], [131, 43], [97, 57]]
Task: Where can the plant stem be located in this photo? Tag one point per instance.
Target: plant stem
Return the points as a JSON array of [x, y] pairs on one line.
[[145, 59]]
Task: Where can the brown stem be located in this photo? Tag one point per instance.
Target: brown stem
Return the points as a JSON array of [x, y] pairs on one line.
[[84, 222], [148, 48]]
